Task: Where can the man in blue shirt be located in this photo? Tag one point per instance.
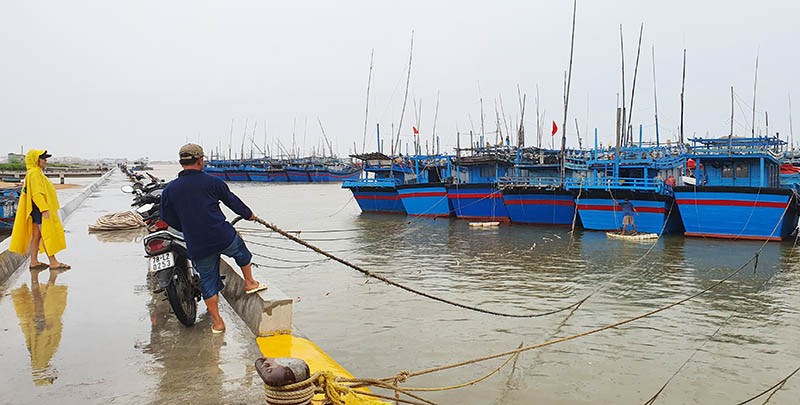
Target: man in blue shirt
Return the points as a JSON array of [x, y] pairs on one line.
[[627, 214], [190, 204]]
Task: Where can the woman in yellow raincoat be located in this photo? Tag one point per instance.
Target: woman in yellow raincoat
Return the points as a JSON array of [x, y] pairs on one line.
[[36, 225]]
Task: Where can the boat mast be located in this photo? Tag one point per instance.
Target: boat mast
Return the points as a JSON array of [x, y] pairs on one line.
[[405, 97], [791, 129], [521, 129], [655, 92], [629, 129], [435, 118], [755, 86], [366, 109], [683, 86], [623, 132], [730, 136], [566, 95]]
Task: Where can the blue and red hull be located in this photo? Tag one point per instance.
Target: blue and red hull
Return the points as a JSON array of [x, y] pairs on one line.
[[531, 205], [479, 201], [237, 175], [657, 213], [737, 212], [342, 175], [378, 199], [295, 175], [425, 200]]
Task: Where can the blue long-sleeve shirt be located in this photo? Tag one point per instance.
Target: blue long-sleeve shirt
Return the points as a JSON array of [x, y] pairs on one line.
[[190, 204]]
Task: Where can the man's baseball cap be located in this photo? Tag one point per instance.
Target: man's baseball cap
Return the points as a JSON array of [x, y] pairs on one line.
[[191, 151], [45, 155]]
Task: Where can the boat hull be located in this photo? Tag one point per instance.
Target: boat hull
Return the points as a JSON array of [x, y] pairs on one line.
[[657, 213], [480, 201], [297, 176], [531, 205], [237, 175], [737, 212], [378, 199], [425, 200]]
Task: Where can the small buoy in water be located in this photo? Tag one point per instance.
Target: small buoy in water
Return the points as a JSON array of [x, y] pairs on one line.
[[484, 224], [533, 246]]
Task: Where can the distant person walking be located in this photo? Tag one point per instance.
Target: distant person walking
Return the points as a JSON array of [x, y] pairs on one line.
[[627, 214], [37, 227], [190, 204]]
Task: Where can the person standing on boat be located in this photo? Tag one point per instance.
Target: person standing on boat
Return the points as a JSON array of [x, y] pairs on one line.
[[37, 227], [627, 214], [190, 204]]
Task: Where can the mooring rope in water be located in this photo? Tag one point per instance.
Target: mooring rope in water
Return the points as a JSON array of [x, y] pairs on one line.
[[755, 259], [368, 273], [775, 387], [407, 374]]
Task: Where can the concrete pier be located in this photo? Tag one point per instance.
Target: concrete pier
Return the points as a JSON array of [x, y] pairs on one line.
[[97, 334]]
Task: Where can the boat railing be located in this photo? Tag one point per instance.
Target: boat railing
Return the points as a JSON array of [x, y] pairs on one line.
[[618, 183], [539, 182], [383, 182]]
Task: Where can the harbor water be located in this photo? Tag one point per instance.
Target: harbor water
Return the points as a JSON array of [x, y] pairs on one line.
[[735, 340]]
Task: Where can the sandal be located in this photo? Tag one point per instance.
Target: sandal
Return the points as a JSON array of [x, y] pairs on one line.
[[40, 266], [61, 266]]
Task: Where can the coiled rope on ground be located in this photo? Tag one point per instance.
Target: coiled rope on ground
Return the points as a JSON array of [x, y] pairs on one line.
[[117, 221]]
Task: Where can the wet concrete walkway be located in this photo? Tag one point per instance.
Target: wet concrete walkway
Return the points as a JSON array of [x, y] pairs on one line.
[[96, 333]]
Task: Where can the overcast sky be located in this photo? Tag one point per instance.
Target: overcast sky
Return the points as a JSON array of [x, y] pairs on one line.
[[139, 78]]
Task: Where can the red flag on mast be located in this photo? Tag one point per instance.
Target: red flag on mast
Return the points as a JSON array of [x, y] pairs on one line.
[[555, 128], [416, 131]]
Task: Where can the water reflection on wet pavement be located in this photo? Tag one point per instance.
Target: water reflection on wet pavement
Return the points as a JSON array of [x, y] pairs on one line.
[[96, 333]]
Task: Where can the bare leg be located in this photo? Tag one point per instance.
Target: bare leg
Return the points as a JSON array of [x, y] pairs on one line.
[[213, 309], [33, 249], [249, 281], [634, 228], [623, 228]]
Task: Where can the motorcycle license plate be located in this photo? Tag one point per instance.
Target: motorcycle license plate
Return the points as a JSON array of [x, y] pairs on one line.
[[162, 261]]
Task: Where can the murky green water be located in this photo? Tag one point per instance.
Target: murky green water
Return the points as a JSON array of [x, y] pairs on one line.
[[741, 336]]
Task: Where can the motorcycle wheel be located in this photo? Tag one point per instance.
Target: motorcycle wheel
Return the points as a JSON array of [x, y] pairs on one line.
[[181, 298]]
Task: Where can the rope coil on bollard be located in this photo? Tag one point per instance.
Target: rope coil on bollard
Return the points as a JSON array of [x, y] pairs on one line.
[[368, 273]]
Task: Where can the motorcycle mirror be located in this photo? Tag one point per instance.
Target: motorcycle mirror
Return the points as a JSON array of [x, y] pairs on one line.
[[145, 208], [127, 189]]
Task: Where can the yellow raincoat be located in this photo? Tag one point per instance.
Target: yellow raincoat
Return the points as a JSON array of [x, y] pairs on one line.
[[38, 189]]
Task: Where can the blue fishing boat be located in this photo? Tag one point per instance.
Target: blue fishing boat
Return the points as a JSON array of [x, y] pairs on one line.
[[535, 194], [216, 172], [475, 192], [426, 194], [734, 190], [9, 197], [236, 173], [297, 174], [642, 175], [376, 191]]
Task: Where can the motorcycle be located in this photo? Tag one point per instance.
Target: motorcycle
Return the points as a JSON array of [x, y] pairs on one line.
[[170, 267]]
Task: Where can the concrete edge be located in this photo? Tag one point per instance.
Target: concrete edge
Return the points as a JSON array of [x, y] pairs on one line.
[[266, 313], [11, 262]]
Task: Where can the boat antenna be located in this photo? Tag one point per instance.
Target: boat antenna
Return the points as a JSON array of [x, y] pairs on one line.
[[366, 109], [730, 136], [791, 129], [683, 86], [435, 118], [405, 97], [480, 99], [521, 129], [327, 141], [755, 86], [538, 123], [244, 135], [622, 124], [566, 94], [230, 141], [655, 92], [629, 129]]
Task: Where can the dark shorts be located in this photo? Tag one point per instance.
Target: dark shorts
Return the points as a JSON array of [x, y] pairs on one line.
[[208, 267], [36, 215]]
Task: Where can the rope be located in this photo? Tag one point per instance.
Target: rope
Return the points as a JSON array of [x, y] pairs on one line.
[[579, 335], [775, 387], [406, 288], [117, 221]]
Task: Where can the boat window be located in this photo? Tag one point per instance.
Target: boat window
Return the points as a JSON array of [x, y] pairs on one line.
[[742, 170], [727, 170], [487, 171]]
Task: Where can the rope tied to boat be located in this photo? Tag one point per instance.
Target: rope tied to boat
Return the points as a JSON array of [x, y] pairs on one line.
[[118, 221], [368, 273]]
